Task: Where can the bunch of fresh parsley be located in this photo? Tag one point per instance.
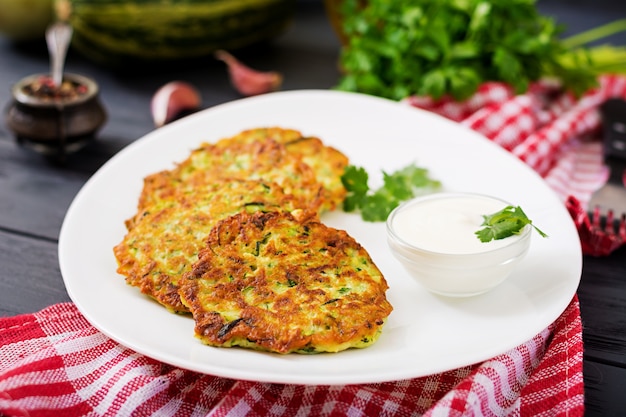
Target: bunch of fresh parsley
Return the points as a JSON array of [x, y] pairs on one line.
[[375, 205], [404, 47]]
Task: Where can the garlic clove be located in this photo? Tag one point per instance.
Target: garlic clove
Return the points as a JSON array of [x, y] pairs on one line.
[[172, 100], [247, 81]]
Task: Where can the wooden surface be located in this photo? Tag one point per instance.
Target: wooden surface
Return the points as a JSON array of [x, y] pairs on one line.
[[35, 193]]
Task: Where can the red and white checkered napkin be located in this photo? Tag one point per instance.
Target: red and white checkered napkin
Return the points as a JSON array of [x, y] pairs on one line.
[[554, 133], [54, 363]]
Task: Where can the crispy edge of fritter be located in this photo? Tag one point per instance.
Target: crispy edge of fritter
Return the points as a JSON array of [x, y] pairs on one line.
[[227, 276], [163, 287], [275, 133]]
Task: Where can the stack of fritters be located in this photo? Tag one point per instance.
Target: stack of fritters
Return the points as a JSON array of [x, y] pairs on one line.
[[167, 235], [281, 180]]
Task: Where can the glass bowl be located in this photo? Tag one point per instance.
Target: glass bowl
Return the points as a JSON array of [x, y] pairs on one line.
[[434, 239]]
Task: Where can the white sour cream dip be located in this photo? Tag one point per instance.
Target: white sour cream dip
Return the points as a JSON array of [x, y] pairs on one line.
[[448, 224]]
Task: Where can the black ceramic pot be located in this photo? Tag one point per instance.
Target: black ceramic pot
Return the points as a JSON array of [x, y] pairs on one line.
[[59, 125]]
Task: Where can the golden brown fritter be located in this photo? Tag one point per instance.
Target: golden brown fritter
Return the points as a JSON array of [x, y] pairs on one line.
[[327, 162], [303, 166], [284, 282], [164, 239], [263, 159]]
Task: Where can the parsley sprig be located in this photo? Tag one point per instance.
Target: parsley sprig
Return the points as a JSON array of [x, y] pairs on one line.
[[375, 205], [507, 222]]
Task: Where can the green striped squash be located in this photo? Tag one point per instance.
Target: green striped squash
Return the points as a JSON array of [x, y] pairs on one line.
[[157, 30]]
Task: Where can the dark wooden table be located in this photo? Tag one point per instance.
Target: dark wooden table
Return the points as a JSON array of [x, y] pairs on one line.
[[35, 193]]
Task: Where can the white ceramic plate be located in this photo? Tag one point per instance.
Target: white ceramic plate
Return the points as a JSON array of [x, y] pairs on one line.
[[425, 334]]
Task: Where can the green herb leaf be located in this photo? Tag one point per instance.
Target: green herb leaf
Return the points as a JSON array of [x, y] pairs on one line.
[[506, 222], [354, 180], [375, 205]]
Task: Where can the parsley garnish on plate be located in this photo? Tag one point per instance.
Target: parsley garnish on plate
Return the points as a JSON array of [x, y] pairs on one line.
[[375, 205], [507, 222]]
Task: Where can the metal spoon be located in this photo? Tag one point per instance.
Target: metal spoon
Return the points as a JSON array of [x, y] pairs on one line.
[[58, 37]]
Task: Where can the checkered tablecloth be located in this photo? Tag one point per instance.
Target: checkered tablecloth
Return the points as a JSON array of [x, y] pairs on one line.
[[54, 363], [556, 134]]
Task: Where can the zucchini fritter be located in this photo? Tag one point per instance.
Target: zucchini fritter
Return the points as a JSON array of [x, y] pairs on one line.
[[285, 282], [327, 163], [304, 167], [165, 238]]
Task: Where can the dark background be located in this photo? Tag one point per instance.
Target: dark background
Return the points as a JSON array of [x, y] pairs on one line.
[[35, 193]]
